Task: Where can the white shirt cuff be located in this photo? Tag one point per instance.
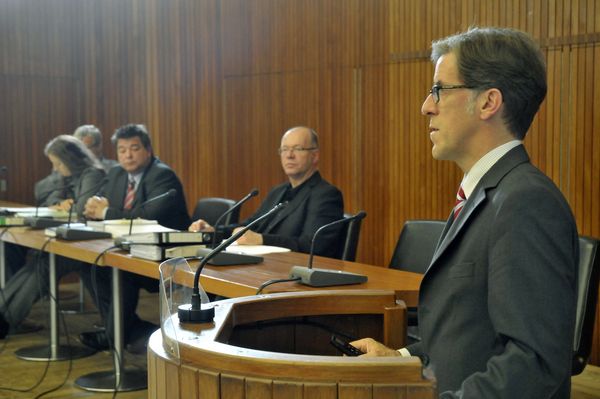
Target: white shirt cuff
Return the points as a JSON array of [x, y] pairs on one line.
[[404, 352]]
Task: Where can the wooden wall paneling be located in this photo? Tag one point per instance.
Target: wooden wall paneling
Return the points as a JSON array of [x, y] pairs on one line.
[[232, 387], [287, 390], [275, 36], [257, 388], [189, 387], [209, 385], [320, 391], [354, 391]]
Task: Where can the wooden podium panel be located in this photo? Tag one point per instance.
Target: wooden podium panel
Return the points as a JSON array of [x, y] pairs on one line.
[[226, 360]]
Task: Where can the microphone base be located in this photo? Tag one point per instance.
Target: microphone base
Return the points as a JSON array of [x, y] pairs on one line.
[[43, 223], [228, 258], [82, 233], [324, 277], [188, 315]]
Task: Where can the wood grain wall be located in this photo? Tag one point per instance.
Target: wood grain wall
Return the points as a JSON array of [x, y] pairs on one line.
[[217, 82]]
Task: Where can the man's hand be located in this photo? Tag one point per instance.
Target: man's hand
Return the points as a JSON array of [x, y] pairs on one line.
[[63, 205], [249, 238], [373, 348], [201, 225], [94, 207]]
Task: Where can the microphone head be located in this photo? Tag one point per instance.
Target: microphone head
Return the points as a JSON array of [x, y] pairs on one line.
[[360, 215], [254, 192]]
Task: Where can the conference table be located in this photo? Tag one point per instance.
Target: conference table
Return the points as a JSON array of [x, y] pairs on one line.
[[226, 281]]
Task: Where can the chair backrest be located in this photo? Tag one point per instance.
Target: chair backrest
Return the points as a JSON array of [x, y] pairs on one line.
[[210, 209], [416, 245], [352, 234], [587, 296]]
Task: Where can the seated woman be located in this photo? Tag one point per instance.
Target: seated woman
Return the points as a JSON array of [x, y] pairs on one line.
[[81, 176]]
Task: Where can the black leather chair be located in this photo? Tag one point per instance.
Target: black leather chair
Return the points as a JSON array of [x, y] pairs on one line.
[[587, 296], [352, 234], [416, 245], [414, 251], [211, 208]]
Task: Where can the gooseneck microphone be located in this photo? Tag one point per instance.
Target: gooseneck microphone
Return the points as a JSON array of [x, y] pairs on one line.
[[235, 206], [94, 188], [42, 222], [326, 277], [193, 313], [138, 209]]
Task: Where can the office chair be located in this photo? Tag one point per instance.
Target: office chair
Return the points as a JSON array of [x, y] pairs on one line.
[[416, 245], [352, 234], [587, 296], [414, 251], [211, 208]]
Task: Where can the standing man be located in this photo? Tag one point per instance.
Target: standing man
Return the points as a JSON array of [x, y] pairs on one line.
[[313, 202], [138, 177], [497, 304]]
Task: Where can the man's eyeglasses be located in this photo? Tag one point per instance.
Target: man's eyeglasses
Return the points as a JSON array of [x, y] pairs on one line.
[[435, 90], [296, 148]]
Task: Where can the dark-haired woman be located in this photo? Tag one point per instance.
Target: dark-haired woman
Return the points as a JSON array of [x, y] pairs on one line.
[[81, 176]]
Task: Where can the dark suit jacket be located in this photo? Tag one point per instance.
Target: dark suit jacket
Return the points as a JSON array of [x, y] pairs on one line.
[[316, 204], [497, 304], [158, 178], [54, 189]]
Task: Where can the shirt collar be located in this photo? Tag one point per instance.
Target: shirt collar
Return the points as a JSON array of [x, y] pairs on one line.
[[485, 163]]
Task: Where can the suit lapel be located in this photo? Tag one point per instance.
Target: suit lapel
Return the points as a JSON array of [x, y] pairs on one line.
[[491, 179], [291, 207]]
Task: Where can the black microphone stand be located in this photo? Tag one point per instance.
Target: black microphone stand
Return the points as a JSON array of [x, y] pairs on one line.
[[171, 193], [235, 206], [193, 312]]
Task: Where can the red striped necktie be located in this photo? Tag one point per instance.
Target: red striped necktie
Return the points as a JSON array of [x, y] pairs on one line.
[[130, 196], [460, 202]]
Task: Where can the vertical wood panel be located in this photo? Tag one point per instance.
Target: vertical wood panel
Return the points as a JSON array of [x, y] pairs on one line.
[[189, 388], [287, 390], [232, 387], [209, 385], [259, 388], [320, 391]]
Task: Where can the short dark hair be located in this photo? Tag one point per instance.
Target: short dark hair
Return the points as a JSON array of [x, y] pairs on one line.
[[130, 131], [506, 59], [73, 153]]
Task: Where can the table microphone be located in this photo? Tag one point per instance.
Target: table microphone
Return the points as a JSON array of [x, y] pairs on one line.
[[235, 206], [80, 232], [325, 277], [193, 312], [137, 210], [42, 222]]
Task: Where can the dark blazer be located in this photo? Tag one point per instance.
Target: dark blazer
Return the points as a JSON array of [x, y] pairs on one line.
[[84, 186], [55, 188], [497, 304], [316, 203], [158, 178]]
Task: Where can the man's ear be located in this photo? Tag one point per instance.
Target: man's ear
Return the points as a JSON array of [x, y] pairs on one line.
[[490, 102], [316, 154]]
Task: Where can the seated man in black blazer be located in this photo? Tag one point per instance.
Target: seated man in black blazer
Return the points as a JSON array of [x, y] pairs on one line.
[[313, 202], [138, 177]]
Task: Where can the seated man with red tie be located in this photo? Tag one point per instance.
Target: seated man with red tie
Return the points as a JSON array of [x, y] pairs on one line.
[[138, 177]]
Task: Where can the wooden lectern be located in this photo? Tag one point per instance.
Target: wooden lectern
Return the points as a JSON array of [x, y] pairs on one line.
[[277, 346]]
